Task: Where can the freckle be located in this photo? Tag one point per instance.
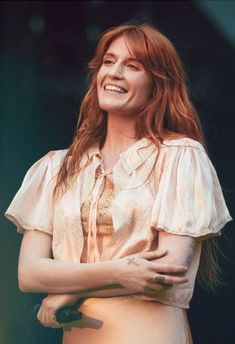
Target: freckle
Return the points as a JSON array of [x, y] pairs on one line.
[[188, 223]]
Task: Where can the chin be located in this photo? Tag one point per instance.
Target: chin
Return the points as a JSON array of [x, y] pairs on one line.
[[110, 108]]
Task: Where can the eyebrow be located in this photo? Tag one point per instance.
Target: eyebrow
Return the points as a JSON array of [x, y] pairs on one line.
[[128, 59]]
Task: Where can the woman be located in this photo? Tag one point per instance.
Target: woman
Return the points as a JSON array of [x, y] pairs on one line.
[[127, 205]]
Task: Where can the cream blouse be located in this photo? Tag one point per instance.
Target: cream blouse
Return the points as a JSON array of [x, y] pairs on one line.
[[183, 196]]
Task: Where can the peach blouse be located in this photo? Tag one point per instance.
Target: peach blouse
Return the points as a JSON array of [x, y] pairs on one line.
[[182, 196]]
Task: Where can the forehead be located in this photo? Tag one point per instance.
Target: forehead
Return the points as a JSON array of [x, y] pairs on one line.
[[119, 47]]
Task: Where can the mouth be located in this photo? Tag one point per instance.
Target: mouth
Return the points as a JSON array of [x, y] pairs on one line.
[[114, 88]]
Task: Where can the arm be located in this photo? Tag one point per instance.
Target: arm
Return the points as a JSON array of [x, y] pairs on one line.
[[180, 248], [39, 272], [52, 303]]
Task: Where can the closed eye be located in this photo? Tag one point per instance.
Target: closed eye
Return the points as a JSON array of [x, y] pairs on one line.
[[107, 61], [132, 66]]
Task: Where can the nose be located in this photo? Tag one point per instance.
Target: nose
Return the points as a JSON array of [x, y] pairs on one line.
[[116, 71]]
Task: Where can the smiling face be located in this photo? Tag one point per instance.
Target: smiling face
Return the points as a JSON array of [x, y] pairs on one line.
[[123, 85]]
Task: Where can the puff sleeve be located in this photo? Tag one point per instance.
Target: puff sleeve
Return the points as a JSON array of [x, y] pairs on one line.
[[31, 208], [189, 200]]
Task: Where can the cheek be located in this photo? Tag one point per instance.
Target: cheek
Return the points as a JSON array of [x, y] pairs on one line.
[[100, 76], [98, 79], [147, 86], [144, 88]]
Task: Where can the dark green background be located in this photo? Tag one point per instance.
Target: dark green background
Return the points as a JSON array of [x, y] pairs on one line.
[[44, 50]]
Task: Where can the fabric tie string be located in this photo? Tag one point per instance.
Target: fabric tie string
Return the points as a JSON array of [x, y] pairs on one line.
[[92, 228]]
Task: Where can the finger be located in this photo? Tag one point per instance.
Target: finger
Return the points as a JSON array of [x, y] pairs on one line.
[[170, 268], [160, 279], [44, 317], [153, 254], [47, 317], [166, 279], [178, 279], [39, 315], [51, 315], [54, 322], [51, 320]]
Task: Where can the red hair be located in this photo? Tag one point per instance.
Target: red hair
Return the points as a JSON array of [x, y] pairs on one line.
[[168, 114]]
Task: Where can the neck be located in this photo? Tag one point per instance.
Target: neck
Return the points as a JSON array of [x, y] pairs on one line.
[[120, 134]]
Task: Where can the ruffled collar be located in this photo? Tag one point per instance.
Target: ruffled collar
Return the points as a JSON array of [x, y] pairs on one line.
[[131, 158]]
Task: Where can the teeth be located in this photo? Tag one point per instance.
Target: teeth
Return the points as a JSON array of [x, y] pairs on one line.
[[114, 88]]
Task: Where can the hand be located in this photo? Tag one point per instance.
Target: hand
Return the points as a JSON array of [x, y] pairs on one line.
[[50, 305], [138, 273]]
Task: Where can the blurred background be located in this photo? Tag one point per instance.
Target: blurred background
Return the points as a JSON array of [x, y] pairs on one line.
[[44, 50]]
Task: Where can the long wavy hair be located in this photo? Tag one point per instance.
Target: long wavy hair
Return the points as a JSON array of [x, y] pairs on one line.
[[168, 114]]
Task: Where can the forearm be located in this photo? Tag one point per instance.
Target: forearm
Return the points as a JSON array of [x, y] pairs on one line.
[[118, 290], [111, 293], [121, 292], [52, 276], [107, 291]]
